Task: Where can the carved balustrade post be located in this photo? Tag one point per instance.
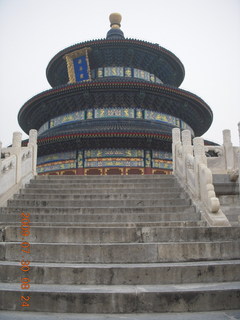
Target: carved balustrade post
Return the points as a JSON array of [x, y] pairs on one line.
[[187, 149], [239, 131], [239, 152], [17, 140], [16, 150], [33, 144], [199, 150], [0, 157], [175, 142], [199, 158], [228, 151], [239, 160]]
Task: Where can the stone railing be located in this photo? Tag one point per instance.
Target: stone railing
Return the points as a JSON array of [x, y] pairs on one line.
[[17, 165], [224, 159], [190, 166]]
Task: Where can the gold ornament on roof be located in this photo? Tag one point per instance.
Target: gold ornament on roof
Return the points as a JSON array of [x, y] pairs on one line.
[[115, 19]]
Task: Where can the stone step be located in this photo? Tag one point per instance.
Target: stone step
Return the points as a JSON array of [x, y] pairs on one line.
[[98, 203], [123, 299], [233, 218], [121, 235], [221, 178], [17, 223], [114, 178], [110, 185], [124, 274], [109, 196], [235, 223], [180, 209], [122, 252], [68, 217], [231, 209], [230, 205], [201, 315], [226, 188], [89, 191], [233, 215], [108, 177], [232, 200]]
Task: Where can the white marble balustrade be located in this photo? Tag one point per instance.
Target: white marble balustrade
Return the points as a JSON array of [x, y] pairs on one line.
[[17, 165], [195, 170]]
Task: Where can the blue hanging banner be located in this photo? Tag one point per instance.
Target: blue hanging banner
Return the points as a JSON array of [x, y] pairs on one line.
[[81, 68], [78, 65]]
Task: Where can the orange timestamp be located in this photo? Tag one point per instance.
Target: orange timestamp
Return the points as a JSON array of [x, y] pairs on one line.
[[25, 263]]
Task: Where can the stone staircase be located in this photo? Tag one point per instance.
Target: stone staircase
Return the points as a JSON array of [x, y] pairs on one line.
[[115, 244]]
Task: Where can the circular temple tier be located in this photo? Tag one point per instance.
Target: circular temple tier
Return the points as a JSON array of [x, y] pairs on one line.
[[112, 108]]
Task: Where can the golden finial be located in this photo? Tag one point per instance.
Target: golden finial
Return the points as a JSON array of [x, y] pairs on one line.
[[115, 19]]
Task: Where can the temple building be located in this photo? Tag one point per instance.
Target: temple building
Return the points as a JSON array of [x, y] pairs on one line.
[[112, 108]]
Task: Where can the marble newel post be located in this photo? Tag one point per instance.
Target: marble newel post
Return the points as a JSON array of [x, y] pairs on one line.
[[0, 157], [239, 131], [175, 142], [239, 160], [187, 149], [33, 144], [228, 150], [16, 150], [199, 158]]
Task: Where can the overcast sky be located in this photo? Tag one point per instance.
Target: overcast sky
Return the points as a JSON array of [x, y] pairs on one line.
[[203, 34]]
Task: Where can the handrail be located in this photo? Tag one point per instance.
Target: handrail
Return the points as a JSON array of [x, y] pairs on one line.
[[17, 165], [195, 171]]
